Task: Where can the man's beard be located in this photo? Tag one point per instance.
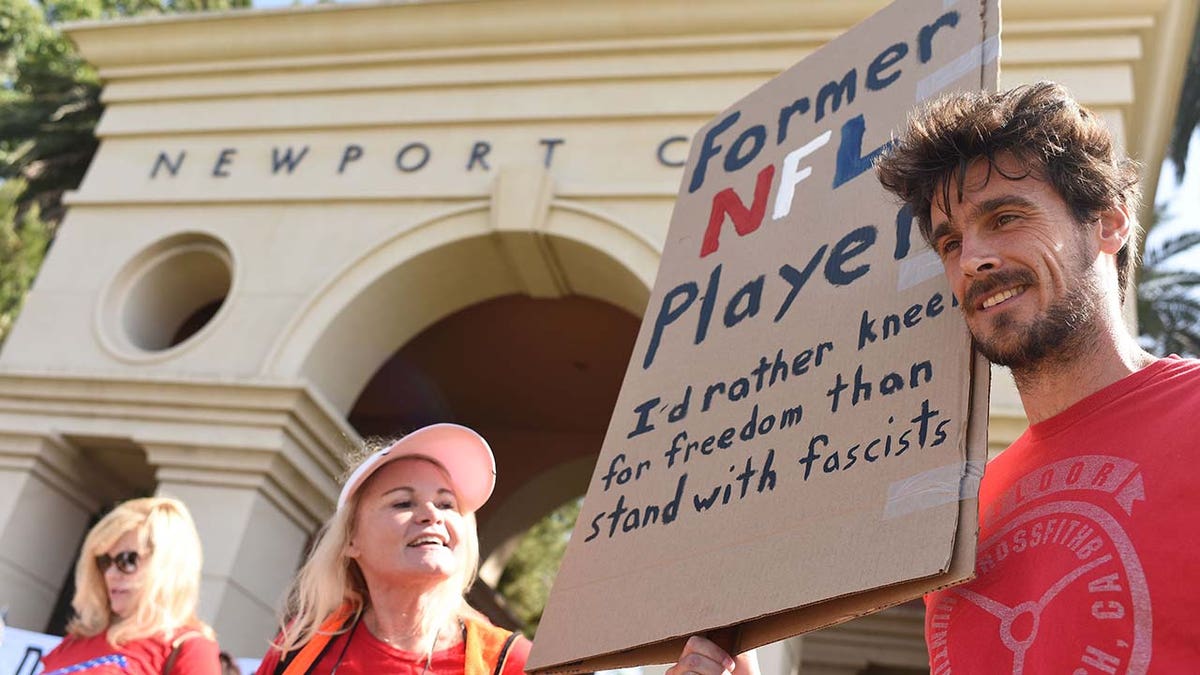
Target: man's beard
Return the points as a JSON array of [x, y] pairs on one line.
[[1058, 336]]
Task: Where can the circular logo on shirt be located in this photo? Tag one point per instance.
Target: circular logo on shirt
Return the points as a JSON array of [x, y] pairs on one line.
[[1055, 556]]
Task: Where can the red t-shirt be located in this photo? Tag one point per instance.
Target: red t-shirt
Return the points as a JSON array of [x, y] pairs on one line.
[[1088, 555], [367, 655], [95, 656]]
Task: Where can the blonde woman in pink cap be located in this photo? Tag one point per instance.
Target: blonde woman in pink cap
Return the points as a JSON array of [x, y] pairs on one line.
[[382, 591]]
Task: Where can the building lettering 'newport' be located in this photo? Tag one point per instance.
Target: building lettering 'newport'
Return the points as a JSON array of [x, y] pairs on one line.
[[309, 225]]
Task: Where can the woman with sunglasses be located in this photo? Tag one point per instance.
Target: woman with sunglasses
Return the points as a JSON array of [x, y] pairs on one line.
[[136, 586], [382, 590]]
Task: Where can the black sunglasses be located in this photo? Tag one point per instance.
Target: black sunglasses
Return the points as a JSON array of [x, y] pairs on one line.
[[126, 562]]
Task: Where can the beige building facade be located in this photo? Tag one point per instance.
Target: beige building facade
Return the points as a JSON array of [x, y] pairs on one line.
[[310, 225]]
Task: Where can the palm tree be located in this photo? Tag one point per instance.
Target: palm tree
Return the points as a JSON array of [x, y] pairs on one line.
[[1168, 303], [1187, 115]]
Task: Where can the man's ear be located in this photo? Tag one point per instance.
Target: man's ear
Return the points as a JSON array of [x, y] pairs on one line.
[[1115, 228]]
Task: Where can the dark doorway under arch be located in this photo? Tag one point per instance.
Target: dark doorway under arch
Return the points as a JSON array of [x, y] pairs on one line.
[[537, 377]]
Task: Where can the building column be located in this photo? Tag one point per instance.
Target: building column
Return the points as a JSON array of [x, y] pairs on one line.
[[779, 658], [254, 462], [255, 520], [893, 639], [48, 495]]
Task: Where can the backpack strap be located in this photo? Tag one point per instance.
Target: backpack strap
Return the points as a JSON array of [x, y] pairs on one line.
[[176, 646], [503, 660], [300, 661], [487, 648]]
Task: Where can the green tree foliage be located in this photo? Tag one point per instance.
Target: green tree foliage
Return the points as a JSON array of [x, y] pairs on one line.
[[50, 98], [530, 572], [23, 241], [1168, 305], [49, 107], [1168, 302]]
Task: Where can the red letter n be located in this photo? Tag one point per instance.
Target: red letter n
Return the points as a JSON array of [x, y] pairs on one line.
[[745, 221]]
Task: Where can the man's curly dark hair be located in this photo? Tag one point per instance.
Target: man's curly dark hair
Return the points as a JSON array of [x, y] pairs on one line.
[[1049, 134]]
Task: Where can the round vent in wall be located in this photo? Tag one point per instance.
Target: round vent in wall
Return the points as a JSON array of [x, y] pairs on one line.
[[166, 296]]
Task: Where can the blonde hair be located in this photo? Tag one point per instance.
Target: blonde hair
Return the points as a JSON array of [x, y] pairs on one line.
[[330, 578], [170, 587]]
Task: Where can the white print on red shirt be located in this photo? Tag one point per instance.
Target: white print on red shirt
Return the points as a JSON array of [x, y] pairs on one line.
[[1095, 581]]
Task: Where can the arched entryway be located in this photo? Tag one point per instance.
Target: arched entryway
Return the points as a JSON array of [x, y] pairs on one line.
[[537, 377], [523, 334]]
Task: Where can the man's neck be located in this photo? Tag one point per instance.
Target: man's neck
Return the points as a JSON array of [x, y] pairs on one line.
[[1051, 387]]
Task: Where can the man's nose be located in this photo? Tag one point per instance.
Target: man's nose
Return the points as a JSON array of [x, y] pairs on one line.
[[978, 256]]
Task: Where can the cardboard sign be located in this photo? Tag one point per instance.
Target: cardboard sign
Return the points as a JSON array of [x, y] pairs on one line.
[[800, 433]]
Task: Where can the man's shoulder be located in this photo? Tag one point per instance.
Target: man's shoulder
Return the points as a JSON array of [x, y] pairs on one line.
[[1182, 364], [1177, 373]]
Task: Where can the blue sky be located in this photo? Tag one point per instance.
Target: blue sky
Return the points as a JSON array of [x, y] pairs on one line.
[[1183, 203]]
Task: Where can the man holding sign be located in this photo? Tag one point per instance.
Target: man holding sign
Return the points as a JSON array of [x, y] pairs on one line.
[[1083, 563], [1081, 550]]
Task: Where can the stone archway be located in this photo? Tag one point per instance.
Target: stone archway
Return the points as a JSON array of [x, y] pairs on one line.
[[537, 377], [515, 319], [473, 253]]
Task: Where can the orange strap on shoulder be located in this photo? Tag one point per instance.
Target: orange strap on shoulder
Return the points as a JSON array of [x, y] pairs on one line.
[[487, 648], [311, 651]]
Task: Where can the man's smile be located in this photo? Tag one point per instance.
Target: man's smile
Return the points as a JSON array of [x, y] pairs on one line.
[[997, 298]]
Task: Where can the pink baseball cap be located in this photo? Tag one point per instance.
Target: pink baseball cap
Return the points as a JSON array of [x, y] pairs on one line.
[[464, 454]]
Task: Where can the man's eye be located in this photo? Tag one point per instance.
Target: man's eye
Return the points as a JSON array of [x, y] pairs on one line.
[[1006, 218], [948, 246]]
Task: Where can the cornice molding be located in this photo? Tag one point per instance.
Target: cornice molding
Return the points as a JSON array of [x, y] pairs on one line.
[[61, 466], [364, 28], [450, 30], [282, 439]]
